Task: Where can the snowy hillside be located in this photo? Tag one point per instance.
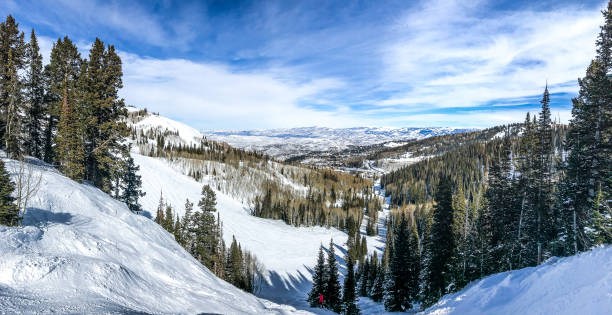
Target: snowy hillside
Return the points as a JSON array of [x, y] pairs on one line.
[[284, 143], [579, 284], [80, 251], [287, 252], [175, 132]]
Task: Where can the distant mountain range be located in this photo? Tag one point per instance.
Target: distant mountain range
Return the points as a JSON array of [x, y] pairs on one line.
[[285, 143]]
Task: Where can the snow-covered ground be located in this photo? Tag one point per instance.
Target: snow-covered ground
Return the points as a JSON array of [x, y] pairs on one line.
[[580, 284], [285, 143], [187, 135], [81, 251], [287, 252]]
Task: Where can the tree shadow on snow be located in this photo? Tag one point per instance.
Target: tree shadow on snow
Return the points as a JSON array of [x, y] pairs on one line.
[[146, 214], [37, 217], [293, 289]]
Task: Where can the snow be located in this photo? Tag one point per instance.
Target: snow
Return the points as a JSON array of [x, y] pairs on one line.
[[287, 252], [394, 163], [80, 251], [187, 135], [285, 143], [580, 284]]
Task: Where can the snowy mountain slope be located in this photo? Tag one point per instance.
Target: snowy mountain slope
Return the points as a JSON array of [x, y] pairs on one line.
[[287, 252], [285, 143], [80, 251], [152, 123], [580, 284]]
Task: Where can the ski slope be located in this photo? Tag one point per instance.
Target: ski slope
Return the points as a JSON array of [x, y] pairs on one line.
[[287, 252], [580, 284], [151, 122], [81, 251]]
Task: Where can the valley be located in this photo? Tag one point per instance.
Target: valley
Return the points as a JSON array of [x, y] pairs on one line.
[[305, 157]]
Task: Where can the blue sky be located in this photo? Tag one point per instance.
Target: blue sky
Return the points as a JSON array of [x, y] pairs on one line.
[[265, 64]]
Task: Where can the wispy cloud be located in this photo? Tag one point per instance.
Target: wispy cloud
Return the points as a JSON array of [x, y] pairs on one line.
[[449, 55], [213, 96], [126, 20], [388, 63]]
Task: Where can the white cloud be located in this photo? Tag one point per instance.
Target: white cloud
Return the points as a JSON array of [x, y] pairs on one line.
[[452, 57], [213, 96], [468, 119], [445, 54]]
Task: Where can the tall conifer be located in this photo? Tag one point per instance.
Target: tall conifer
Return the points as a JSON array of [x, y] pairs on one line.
[[35, 97]]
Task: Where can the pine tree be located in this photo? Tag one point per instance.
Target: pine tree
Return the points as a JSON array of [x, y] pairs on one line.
[[206, 234], [500, 218], [348, 294], [234, 265], [587, 185], [377, 291], [159, 215], [461, 231], [35, 97], [404, 268], [9, 212], [526, 237], [131, 186], [442, 244], [364, 273], [187, 227], [319, 280], [13, 111], [388, 292], [219, 261], [12, 60], [545, 226], [105, 110], [177, 230], [332, 288], [63, 74], [373, 273], [168, 222]]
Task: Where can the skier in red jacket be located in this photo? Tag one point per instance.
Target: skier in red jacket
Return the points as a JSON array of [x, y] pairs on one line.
[[320, 299]]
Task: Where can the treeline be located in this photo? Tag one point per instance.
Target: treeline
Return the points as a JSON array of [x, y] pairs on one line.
[[547, 192], [202, 236], [158, 142], [332, 199], [298, 195], [466, 161], [67, 113]]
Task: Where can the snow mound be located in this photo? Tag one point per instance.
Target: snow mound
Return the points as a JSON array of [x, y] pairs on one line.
[[156, 123], [80, 251], [580, 284]]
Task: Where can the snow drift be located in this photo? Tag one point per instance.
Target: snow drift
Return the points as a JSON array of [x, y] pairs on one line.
[[580, 284], [80, 251]]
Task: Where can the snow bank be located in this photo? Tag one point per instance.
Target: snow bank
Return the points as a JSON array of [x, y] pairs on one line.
[[579, 284], [81, 251]]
